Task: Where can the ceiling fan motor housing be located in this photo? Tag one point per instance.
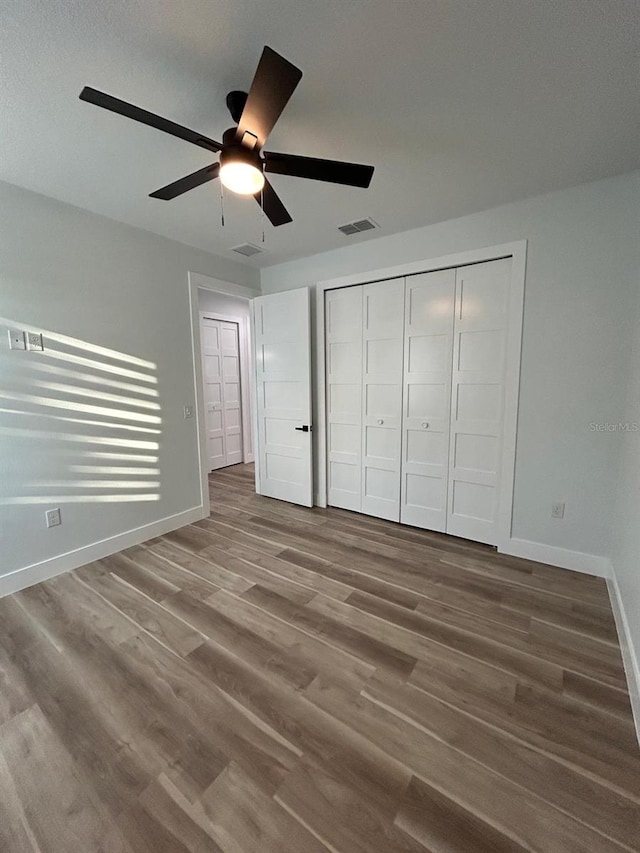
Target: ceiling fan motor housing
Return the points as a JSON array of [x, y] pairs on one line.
[[233, 151], [235, 104]]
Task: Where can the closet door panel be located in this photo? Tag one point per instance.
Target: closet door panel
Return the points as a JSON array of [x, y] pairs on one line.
[[382, 359], [429, 308], [344, 396], [477, 402]]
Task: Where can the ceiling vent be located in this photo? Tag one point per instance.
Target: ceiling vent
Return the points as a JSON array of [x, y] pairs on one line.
[[358, 226], [247, 249]]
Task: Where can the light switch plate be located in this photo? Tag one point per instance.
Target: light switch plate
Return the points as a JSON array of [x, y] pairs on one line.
[[34, 341], [188, 412], [16, 339]]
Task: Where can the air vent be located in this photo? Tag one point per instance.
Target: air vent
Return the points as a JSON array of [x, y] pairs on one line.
[[247, 249], [357, 227]]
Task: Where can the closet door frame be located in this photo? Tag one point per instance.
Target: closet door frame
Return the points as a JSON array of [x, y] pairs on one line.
[[517, 251]]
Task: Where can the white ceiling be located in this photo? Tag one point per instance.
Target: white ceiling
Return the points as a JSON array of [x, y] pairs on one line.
[[460, 104]]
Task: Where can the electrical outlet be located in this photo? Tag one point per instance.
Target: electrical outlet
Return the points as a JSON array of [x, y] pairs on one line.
[[188, 412], [53, 517], [557, 510], [34, 341], [16, 339]]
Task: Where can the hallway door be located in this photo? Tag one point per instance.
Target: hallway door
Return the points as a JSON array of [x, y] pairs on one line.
[[222, 398]]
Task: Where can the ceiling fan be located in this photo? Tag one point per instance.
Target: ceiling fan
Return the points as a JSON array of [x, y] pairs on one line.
[[243, 162]]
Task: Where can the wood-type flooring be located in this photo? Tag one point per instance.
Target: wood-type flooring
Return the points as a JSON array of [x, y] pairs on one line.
[[274, 679]]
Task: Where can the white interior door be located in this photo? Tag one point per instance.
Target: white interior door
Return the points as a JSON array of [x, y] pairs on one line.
[[222, 398], [231, 396], [477, 400], [382, 356], [213, 391], [343, 318], [429, 308], [283, 390]]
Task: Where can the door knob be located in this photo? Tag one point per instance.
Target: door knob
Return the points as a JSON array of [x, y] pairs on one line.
[[380, 421], [425, 425], [304, 428]]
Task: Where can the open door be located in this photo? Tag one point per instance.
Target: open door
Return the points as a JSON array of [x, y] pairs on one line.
[[283, 391]]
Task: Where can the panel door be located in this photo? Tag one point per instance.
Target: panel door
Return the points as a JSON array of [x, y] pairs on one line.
[[429, 308], [283, 390], [477, 400], [382, 357], [213, 392], [231, 396], [343, 318]]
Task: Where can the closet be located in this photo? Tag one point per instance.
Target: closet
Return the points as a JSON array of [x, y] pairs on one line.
[[222, 398], [415, 377]]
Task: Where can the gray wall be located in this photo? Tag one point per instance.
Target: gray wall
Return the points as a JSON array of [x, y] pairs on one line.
[[112, 302], [580, 285]]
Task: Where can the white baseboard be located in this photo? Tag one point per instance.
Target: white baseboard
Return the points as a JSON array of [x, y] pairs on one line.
[[38, 572], [629, 656], [578, 561]]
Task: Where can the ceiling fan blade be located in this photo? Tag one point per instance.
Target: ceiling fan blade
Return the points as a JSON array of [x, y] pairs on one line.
[[332, 171], [274, 209], [273, 84], [108, 102], [188, 183]]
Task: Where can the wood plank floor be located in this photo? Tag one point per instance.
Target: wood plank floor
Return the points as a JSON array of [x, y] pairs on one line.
[[280, 680]]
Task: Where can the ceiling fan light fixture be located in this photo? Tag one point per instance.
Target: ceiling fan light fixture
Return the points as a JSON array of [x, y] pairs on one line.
[[241, 170], [242, 178]]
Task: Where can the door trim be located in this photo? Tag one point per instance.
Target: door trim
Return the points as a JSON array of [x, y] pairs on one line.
[[198, 281], [518, 252]]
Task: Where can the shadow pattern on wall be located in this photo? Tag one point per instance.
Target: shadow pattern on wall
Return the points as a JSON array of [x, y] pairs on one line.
[[84, 422]]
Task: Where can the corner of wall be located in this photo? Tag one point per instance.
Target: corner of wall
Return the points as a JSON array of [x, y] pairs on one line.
[[629, 656]]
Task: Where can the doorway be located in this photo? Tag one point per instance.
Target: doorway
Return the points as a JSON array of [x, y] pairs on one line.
[[227, 304]]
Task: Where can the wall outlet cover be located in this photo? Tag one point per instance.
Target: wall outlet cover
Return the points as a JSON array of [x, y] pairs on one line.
[[34, 341], [557, 510], [53, 517]]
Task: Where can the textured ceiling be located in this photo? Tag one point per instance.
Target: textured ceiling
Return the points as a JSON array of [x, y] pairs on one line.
[[460, 105]]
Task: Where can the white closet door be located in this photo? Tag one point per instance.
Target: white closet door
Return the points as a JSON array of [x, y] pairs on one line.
[[429, 307], [343, 317], [232, 405], [382, 356], [477, 401], [213, 392], [283, 390]]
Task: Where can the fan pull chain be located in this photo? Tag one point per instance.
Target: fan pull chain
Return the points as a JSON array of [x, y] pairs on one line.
[[221, 204], [262, 203]]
